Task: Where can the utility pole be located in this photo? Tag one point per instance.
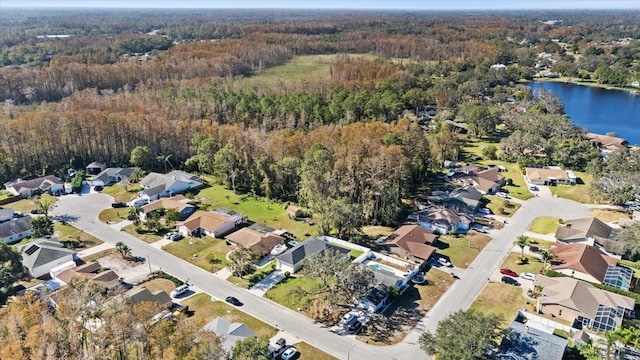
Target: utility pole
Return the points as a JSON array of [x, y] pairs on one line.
[[149, 262]]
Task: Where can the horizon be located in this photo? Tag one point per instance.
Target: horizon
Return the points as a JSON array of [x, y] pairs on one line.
[[406, 5]]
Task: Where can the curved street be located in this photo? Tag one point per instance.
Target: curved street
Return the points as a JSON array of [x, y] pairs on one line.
[[82, 212]]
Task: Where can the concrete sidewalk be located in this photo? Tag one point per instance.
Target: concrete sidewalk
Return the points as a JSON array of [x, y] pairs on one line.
[[94, 250], [267, 283]]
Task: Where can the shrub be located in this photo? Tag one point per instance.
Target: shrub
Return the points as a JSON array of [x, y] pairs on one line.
[[287, 274], [563, 334], [522, 260], [551, 273]]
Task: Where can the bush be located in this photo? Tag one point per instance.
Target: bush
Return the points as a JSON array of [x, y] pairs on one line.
[[522, 260], [162, 275], [287, 274], [508, 181], [551, 273], [563, 334]]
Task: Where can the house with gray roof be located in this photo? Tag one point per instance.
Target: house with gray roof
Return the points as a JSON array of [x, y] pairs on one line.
[[110, 176], [15, 230], [293, 259], [527, 343], [589, 231], [231, 333], [28, 188], [140, 294], [158, 185], [464, 199], [41, 255], [6, 214]]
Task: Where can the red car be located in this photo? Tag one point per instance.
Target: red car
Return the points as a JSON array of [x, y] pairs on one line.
[[508, 272]]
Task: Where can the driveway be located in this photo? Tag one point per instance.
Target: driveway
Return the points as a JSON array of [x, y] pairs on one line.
[[82, 211]]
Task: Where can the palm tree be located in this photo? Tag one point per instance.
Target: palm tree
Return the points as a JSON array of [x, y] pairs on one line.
[[522, 242], [546, 256], [123, 249], [611, 338]]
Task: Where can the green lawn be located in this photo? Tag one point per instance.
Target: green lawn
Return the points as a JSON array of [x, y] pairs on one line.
[[501, 299], [120, 192], [374, 231], [250, 280], [159, 284], [148, 237], [533, 266], [545, 225], [207, 252], [579, 193], [497, 203], [259, 210], [609, 215], [461, 250], [284, 293], [78, 238], [308, 352], [24, 206], [113, 215], [4, 194]]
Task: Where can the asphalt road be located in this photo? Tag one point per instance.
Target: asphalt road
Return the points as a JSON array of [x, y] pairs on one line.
[[82, 211]]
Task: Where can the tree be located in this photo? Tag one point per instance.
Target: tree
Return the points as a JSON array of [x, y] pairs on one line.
[[629, 236], [141, 157], [170, 217], [153, 221], [463, 335], [590, 351], [10, 270], [123, 249], [76, 182], [522, 243], [241, 261], [41, 226], [252, 348], [546, 256], [44, 203]]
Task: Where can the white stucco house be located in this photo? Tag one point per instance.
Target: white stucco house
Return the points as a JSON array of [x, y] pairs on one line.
[[42, 255]]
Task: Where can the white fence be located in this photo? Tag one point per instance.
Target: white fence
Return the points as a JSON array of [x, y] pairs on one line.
[[395, 261], [546, 322], [343, 243]]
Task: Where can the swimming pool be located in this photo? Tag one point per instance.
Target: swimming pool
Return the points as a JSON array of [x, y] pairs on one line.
[[381, 267]]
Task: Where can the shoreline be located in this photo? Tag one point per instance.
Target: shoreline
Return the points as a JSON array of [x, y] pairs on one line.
[[580, 82]]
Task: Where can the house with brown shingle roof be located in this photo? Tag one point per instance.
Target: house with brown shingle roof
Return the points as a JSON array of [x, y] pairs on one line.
[[411, 242], [488, 181], [606, 143], [588, 230], [441, 220], [548, 176], [183, 208], [589, 263], [28, 188], [580, 302], [212, 223], [260, 243], [93, 272]]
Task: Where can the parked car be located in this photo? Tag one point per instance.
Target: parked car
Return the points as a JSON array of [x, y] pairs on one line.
[[36, 211], [355, 327], [176, 237], [139, 202], [508, 272], [118, 204], [528, 276], [534, 249], [278, 249], [503, 195], [444, 262], [280, 343], [97, 188], [179, 291], [484, 211], [289, 353], [292, 243], [510, 280], [169, 235], [349, 318], [234, 301], [533, 188]]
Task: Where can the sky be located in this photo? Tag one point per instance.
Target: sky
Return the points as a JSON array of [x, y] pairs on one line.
[[336, 4]]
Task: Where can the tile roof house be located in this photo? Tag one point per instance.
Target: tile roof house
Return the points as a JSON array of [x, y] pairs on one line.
[[441, 220], [606, 143], [581, 303], [213, 223], [158, 185], [28, 188], [183, 208], [41, 255], [15, 230], [528, 343], [589, 263], [91, 271], [547, 176], [293, 259], [586, 230], [110, 176], [231, 333], [260, 243], [411, 242]]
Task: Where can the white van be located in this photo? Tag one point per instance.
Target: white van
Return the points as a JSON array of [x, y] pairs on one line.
[[179, 290], [139, 202]]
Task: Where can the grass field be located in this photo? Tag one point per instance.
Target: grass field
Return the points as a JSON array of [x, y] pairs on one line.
[[283, 293], [502, 300], [461, 250], [24, 206], [609, 215], [533, 266], [148, 237], [544, 225], [508, 207], [308, 352], [113, 215], [270, 213], [159, 284], [250, 280], [374, 232], [579, 193], [121, 193], [79, 238], [207, 252]]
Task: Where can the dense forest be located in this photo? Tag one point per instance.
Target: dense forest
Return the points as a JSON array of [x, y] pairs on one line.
[[95, 85]]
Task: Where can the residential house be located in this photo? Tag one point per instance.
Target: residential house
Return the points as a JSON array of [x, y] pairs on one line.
[[581, 303], [212, 223], [141, 293], [294, 212], [6, 214], [376, 299], [15, 230], [498, 67], [231, 333], [260, 242], [588, 230], [528, 343], [28, 188], [293, 259], [606, 143], [549, 176], [110, 176], [93, 272], [411, 242], [95, 168], [441, 220], [465, 199], [590, 264], [184, 209], [158, 185], [41, 255], [488, 181]]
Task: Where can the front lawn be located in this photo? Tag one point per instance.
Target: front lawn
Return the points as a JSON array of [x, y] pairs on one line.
[[248, 281], [75, 237], [285, 295], [159, 284], [308, 352], [113, 215], [609, 215], [501, 299], [146, 236], [534, 265], [24, 206], [461, 249], [207, 252], [374, 232], [544, 225], [502, 207], [579, 193], [122, 193]]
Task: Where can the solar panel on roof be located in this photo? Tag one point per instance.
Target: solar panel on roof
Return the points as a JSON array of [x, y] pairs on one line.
[[32, 249]]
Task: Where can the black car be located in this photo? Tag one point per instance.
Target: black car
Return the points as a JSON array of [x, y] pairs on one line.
[[233, 300], [355, 327], [510, 280], [97, 188], [118, 204]]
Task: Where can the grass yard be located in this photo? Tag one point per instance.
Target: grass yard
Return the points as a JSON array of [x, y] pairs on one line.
[[78, 238], [159, 284], [579, 193], [609, 215], [496, 203], [501, 299], [207, 252], [206, 310], [270, 213], [284, 292], [533, 266], [461, 250], [374, 232], [148, 237], [120, 192], [545, 225], [250, 280], [113, 215], [308, 352], [24, 206]]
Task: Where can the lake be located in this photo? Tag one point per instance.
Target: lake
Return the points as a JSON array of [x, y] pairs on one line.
[[599, 110]]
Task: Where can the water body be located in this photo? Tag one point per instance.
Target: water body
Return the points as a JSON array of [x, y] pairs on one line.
[[598, 110]]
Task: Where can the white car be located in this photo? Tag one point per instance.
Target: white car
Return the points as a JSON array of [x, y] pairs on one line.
[[289, 353], [528, 276], [179, 290], [278, 249], [444, 262], [349, 318], [502, 195]]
